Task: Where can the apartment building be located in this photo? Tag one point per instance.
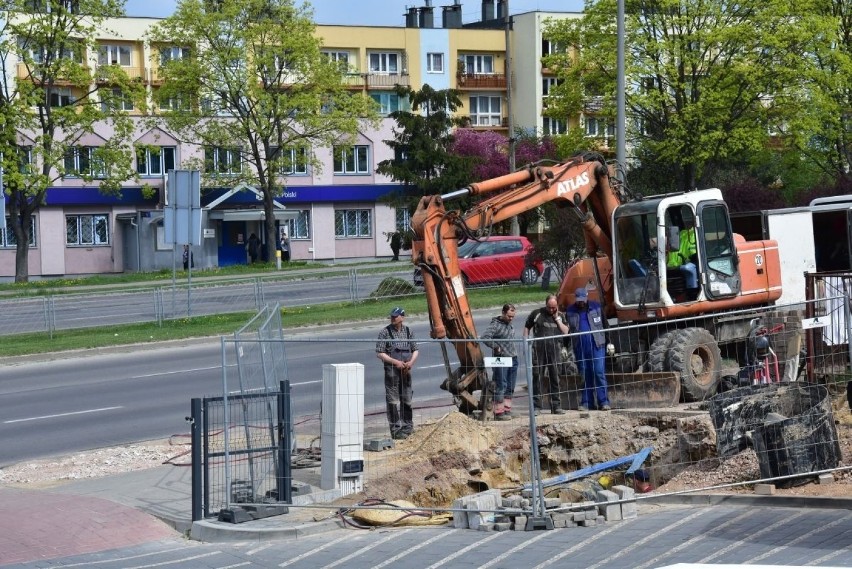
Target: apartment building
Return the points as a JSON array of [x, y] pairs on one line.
[[330, 213]]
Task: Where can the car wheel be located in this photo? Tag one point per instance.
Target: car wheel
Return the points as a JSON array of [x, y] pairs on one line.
[[529, 275]]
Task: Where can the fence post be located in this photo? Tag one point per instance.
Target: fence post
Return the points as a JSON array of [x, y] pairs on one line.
[[353, 285], [285, 476], [195, 423], [539, 519]]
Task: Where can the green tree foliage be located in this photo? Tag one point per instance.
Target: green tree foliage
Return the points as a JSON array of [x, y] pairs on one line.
[[821, 129], [256, 67], [56, 89], [706, 79], [422, 144]]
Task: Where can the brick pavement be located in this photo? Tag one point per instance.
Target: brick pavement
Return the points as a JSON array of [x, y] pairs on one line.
[[38, 525]]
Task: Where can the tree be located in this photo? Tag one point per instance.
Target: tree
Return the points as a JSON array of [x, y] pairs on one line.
[[423, 159], [252, 87], [66, 92], [706, 80]]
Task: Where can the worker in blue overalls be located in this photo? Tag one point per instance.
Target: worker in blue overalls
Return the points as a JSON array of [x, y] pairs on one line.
[[589, 349]]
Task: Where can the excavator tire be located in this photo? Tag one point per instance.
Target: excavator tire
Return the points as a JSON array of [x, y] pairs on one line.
[[694, 355], [658, 355]]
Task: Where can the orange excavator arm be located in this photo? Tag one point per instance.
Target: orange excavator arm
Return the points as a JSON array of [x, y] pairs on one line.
[[582, 182]]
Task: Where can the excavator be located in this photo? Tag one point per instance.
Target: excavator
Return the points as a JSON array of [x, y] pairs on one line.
[[655, 362]]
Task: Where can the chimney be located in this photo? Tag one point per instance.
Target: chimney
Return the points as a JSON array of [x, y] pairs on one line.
[[411, 18], [452, 16], [427, 16], [501, 9], [487, 10]]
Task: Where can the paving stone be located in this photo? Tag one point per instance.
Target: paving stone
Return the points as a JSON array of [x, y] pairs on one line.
[[520, 523], [826, 478], [628, 508], [589, 523], [764, 489], [550, 503], [608, 505]]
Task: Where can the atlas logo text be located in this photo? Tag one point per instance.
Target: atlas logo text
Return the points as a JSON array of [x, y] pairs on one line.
[[572, 185]]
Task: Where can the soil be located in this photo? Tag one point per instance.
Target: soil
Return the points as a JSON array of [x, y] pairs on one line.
[[457, 455]]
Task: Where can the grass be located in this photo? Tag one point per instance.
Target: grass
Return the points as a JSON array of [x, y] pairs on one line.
[[226, 324]]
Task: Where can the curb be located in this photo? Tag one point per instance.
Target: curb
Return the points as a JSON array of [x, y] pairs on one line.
[[815, 502], [271, 528]]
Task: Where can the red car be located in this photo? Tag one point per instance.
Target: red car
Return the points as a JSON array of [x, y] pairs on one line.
[[498, 259]]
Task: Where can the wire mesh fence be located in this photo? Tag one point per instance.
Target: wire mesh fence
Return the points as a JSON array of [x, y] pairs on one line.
[[688, 404]]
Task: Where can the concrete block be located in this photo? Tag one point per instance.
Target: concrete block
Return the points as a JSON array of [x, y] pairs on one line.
[[628, 509], [550, 503], [562, 520], [608, 505], [459, 517], [520, 523], [502, 526], [764, 489], [600, 520], [592, 513], [485, 527], [826, 478], [589, 523], [377, 445], [578, 516]]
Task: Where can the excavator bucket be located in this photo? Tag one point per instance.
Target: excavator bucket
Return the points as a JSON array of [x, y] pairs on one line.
[[633, 390]]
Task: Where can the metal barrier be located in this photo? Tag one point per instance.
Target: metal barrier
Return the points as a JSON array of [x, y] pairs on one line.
[[698, 403]]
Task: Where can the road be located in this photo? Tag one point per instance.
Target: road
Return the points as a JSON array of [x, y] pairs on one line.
[[720, 536], [89, 309], [61, 406]]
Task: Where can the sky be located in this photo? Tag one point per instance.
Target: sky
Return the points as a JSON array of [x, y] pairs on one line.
[[374, 12]]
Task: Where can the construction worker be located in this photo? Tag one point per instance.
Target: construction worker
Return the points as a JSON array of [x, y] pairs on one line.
[[589, 349], [685, 257]]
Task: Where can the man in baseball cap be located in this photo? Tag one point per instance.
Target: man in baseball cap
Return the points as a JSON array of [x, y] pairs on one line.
[[585, 318], [398, 351]]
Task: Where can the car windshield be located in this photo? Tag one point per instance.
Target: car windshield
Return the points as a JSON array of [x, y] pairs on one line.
[[467, 248]]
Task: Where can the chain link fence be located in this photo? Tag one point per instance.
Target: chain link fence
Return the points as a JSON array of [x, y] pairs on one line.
[[695, 404]]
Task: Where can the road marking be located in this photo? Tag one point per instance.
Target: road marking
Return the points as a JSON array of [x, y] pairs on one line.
[[63, 414], [463, 551], [316, 550], [405, 553], [747, 537], [243, 564], [646, 539], [582, 544], [798, 539], [176, 561], [696, 539], [127, 558], [258, 549], [514, 550], [392, 535]]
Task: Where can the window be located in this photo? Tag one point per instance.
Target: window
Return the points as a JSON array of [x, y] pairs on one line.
[[339, 57], [114, 99], [81, 161], [300, 228], [351, 159], [155, 161], [549, 47], [52, 7], [478, 64], [86, 230], [598, 127], [434, 63], [403, 219], [547, 83], [25, 159], [553, 126], [7, 236], [387, 63], [485, 111], [293, 161], [114, 55], [175, 104], [388, 102], [173, 53], [218, 160], [60, 97], [38, 54], [353, 223]]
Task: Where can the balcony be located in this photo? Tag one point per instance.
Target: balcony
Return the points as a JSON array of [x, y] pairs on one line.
[[354, 80], [481, 81], [133, 73], [387, 81], [485, 122], [25, 73]]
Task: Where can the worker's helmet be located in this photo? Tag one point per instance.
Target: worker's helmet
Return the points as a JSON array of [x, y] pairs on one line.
[[761, 346]]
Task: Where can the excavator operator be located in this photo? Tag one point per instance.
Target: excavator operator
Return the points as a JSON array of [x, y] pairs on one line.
[[684, 258]]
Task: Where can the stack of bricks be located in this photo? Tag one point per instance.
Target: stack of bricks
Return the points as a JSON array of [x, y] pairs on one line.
[[489, 511]]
